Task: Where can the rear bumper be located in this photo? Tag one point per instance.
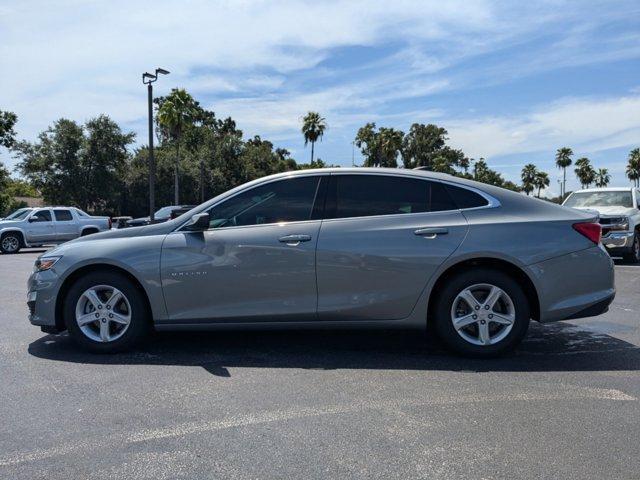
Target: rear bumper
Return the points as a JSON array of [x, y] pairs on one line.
[[580, 284]]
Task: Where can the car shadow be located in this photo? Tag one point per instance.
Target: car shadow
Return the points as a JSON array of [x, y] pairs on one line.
[[552, 347]]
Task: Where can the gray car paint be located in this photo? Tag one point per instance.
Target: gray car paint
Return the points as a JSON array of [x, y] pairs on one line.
[[371, 271]]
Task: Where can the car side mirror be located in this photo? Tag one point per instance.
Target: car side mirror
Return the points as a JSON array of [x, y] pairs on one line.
[[32, 219], [199, 222]]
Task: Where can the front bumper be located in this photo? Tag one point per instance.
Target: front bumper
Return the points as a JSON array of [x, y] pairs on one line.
[[42, 289], [618, 240]]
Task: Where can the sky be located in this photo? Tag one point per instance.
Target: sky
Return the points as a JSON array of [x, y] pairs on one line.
[[510, 81]]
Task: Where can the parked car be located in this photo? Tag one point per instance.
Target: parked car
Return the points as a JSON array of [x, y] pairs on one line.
[[120, 222], [362, 247], [162, 215], [29, 227], [619, 212]]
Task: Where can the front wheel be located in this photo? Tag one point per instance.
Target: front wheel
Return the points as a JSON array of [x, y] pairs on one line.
[[10, 243], [634, 255], [105, 312], [482, 313]]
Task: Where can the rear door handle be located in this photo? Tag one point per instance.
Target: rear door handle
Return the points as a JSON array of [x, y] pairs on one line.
[[294, 240], [431, 232]]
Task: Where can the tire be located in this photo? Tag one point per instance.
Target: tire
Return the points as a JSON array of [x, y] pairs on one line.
[[11, 243], [487, 334], [105, 330], [634, 255]]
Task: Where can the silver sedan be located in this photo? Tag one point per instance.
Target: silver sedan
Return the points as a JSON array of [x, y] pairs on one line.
[[334, 248]]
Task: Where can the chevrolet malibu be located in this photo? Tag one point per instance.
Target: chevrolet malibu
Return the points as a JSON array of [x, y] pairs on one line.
[[334, 248]]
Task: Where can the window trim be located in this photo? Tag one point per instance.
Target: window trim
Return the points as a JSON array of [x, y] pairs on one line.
[[261, 184]]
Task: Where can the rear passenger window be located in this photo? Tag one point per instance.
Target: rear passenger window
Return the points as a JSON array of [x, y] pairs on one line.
[[63, 215], [464, 198], [368, 195]]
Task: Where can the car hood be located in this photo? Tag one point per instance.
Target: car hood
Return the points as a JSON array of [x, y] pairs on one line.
[[609, 211], [7, 223]]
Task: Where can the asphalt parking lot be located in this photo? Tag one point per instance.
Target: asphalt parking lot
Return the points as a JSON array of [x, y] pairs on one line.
[[320, 404]]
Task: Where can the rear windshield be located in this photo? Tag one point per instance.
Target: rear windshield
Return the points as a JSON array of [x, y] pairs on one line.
[[600, 199]]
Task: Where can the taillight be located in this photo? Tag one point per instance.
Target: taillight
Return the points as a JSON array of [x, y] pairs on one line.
[[593, 231]]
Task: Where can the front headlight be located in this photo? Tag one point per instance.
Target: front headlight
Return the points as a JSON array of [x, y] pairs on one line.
[[623, 224], [45, 263]]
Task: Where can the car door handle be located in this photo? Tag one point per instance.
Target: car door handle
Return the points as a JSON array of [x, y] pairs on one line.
[[431, 232], [294, 240]]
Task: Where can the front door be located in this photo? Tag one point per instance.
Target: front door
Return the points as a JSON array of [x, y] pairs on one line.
[[384, 238], [40, 227], [255, 263]]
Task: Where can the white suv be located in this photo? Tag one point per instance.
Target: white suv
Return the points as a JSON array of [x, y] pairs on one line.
[[619, 210]]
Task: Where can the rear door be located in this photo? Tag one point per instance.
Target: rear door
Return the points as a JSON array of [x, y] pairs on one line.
[[66, 226], [40, 227], [382, 239]]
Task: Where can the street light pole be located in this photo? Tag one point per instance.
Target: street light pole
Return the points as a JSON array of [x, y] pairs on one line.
[[148, 79]]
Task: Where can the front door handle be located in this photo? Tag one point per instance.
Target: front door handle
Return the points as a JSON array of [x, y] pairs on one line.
[[294, 240], [431, 232]]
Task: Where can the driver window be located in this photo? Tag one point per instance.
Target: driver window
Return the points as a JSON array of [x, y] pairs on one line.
[[289, 200], [41, 216]]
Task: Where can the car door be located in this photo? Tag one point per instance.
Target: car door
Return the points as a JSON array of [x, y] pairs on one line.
[[382, 239], [40, 227], [65, 226], [255, 263]]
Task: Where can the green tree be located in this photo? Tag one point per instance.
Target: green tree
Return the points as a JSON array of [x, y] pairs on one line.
[[8, 120], [78, 165], [528, 176], [313, 127], [633, 166], [585, 172], [541, 181], [379, 147], [176, 112], [602, 178], [563, 160]]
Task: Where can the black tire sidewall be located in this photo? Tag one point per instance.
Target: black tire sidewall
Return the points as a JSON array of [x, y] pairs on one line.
[[14, 235], [460, 281], [138, 328]]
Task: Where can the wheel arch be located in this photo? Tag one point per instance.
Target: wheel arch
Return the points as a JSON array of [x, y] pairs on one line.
[[84, 270], [15, 230], [88, 230], [505, 266]]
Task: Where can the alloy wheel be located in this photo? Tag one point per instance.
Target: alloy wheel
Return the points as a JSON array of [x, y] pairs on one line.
[[10, 244], [483, 314], [103, 313]]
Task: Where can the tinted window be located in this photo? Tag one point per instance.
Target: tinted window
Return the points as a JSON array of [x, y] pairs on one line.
[[289, 200], [41, 216], [367, 195], [63, 215], [464, 198]]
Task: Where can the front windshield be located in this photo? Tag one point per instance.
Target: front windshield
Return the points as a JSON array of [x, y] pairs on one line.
[[164, 212], [599, 199], [19, 214]]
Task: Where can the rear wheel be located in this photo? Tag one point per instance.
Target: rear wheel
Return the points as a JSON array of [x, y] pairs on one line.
[[105, 312], [481, 312], [634, 255], [11, 242]]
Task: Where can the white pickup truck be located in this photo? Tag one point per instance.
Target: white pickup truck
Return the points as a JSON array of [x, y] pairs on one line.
[[619, 210], [29, 227]]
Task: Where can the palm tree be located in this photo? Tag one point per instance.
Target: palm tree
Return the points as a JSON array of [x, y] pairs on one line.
[[176, 111], [528, 176], [585, 172], [633, 167], [563, 160], [540, 181], [313, 127], [602, 177]]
